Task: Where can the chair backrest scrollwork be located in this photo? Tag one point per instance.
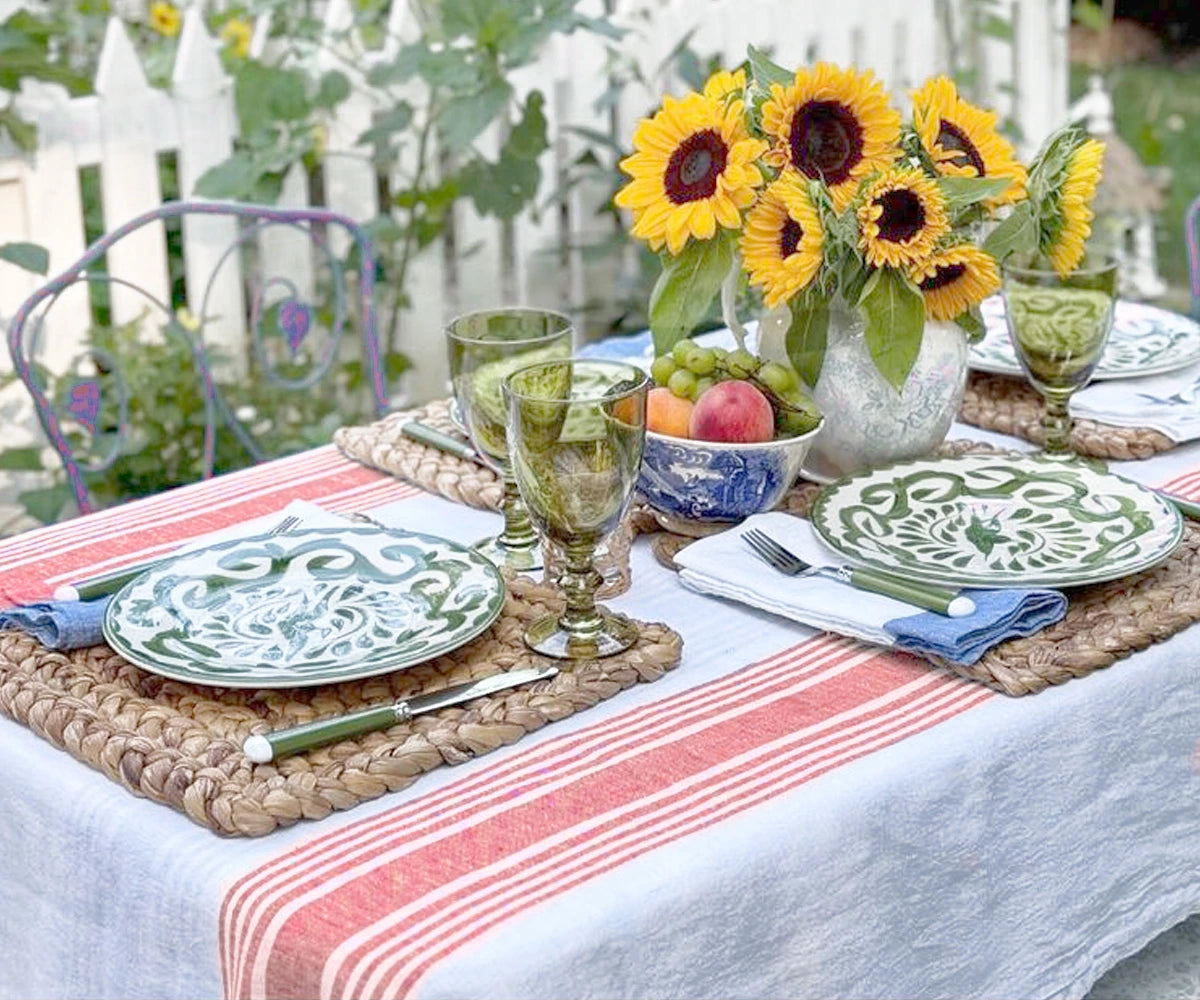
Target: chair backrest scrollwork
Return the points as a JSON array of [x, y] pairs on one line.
[[257, 346]]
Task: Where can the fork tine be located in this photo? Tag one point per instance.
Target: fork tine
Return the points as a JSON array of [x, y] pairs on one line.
[[778, 554], [287, 524], [760, 544]]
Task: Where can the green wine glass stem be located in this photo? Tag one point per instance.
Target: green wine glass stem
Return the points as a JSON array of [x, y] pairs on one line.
[[1056, 424], [580, 619], [518, 536]]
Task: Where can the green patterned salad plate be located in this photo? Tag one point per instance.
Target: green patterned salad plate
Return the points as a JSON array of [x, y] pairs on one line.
[[312, 606], [1144, 340], [997, 521]]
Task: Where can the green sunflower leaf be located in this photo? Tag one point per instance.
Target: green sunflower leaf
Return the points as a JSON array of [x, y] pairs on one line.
[[960, 192], [895, 322], [687, 286], [765, 71], [970, 321], [808, 335], [1018, 234]]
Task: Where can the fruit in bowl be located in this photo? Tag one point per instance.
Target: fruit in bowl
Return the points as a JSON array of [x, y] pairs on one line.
[[726, 433]]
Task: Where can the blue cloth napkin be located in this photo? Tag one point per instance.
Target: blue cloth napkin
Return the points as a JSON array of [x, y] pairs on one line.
[[999, 615], [60, 625]]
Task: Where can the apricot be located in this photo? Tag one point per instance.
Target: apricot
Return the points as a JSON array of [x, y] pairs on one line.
[[667, 413], [734, 412]]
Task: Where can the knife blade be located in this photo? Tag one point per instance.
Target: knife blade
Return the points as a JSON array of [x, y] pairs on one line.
[[264, 747], [431, 436]]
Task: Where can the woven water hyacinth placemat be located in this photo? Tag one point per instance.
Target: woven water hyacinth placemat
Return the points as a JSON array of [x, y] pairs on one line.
[[1012, 406], [180, 744]]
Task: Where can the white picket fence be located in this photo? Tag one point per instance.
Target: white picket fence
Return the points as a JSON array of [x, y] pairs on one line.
[[126, 124]]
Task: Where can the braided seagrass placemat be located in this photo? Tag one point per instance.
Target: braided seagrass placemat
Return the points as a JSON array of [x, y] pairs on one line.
[[381, 445], [180, 744], [1103, 624], [1012, 406]]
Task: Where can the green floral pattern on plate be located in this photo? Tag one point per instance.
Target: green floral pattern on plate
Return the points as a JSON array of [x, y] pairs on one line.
[[313, 606], [1144, 341], [984, 520]]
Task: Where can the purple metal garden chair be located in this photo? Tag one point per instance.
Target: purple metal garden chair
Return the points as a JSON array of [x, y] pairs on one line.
[[1191, 232], [293, 344]]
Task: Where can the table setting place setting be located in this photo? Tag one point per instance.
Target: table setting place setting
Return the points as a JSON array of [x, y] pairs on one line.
[[796, 465]]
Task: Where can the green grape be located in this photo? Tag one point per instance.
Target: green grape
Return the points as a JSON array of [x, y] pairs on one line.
[[662, 368], [681, 350], [681, 383], [742, 364], [776, 377], [701, 360], [702, 386]]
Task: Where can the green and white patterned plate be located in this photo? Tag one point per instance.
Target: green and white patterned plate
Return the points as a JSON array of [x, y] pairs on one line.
[[1144, 341], [313, 606], [997, 521]]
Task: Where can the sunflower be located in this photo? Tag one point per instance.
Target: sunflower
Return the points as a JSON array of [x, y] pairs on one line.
[[954, 279], [723, 84], [901, 218], [1074, 214], [962, 140], [693, 167], [783, 240], [165, 18], [237, 33], [833, 125]]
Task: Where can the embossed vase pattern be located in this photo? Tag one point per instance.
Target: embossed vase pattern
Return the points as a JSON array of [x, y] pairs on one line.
[[867, 422]]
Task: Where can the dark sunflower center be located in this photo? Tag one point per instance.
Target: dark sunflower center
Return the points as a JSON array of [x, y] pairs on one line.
[[826, 141], [953, 139], [903, 215], [943, 276], [789, 238], [694, 167]]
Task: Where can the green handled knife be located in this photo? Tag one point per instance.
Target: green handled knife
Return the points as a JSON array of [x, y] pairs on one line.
[[262, 748], [442, 442]]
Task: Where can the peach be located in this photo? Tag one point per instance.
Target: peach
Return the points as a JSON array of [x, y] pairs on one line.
[[733, 411], [667, 413]]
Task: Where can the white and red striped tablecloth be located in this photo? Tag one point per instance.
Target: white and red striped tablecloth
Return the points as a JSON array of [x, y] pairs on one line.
[[785, 814]]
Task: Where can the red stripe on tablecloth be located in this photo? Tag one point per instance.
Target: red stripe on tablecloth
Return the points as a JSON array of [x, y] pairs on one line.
[[484, 848], [33, 563], [489, 785], [1187, 485]]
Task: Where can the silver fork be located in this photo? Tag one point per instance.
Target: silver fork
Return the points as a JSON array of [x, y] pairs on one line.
[[940, 599], [285, 524]]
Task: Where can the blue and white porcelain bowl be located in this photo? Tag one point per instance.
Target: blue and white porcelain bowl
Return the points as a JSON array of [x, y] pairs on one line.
[[713, 481]]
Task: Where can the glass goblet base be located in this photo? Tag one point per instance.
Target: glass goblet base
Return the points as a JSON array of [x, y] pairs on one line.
[[607, 635], [525, 559]]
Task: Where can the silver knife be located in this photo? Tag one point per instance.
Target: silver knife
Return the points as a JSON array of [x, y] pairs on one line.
[[265, 747]]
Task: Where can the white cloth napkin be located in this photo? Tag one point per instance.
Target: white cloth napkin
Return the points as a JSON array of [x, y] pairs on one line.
[[1168, 403], [724, 565]]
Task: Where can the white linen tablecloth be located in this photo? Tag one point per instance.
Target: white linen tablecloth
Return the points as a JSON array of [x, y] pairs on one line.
[[1009, 847]]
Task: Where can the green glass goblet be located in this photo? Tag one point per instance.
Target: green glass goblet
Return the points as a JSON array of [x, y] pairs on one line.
[[576, 431], [483, 348], [1059, 326]]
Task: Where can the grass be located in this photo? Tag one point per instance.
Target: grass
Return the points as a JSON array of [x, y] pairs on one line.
[[1158, 113]]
